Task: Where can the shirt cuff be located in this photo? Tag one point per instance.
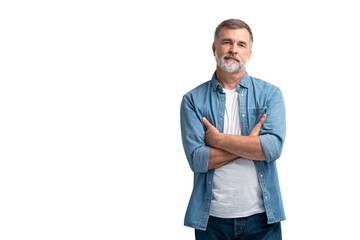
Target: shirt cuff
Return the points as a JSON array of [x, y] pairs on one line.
[[201, 159]]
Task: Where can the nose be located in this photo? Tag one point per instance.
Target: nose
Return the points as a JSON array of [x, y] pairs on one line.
[[233, 49]]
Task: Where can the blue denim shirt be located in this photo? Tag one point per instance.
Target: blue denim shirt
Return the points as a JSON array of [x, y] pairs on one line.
[[208, 100]]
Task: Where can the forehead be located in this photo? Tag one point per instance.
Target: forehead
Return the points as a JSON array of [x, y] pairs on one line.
[[239, 34]]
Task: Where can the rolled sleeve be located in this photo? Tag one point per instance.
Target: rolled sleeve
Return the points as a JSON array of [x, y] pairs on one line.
[[272, 135], [192, 133]]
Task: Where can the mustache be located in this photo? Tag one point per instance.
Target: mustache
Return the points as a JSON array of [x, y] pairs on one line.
[[230, 55]]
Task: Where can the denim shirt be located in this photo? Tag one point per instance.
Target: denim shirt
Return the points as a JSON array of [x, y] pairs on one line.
[[208, 100]]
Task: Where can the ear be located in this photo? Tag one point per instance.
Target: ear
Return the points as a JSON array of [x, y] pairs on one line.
[[213, 48], [249, 55]]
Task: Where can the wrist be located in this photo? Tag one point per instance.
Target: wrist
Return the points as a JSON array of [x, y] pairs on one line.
[[219, 139]]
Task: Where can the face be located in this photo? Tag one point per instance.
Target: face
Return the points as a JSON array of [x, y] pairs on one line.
[[232, 49]]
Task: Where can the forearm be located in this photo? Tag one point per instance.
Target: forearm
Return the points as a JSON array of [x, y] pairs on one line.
[[219, 158], [248, 147]]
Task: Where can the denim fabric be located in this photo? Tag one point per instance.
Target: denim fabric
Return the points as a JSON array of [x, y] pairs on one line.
[[208, 100], [254, 227]]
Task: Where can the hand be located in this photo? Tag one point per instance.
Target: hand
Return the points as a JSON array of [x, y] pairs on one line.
[[257, 128], [211, 134]]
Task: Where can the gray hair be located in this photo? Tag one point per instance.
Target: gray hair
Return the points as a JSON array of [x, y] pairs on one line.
[[233, 24]]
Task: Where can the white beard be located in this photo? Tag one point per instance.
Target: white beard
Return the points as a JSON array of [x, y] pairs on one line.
[[230, 66]]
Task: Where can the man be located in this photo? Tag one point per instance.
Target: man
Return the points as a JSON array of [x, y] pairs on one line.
[[233, 130]]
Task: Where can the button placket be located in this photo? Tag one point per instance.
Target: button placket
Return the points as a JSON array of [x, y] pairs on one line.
[[221, 112]]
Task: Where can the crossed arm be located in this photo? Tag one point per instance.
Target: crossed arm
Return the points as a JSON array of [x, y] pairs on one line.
[[226, 148]]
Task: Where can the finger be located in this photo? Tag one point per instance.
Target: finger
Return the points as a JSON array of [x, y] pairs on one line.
[[262, 119], [260, 122], [257, 128], [206, 123]]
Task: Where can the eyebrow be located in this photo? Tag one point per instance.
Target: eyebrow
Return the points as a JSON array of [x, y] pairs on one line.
[[230, 40], [226, 40]]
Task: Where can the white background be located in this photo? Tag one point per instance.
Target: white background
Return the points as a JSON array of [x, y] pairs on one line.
[[90, 93]]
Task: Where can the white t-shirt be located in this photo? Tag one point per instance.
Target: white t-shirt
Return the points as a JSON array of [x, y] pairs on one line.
[[236, 190]]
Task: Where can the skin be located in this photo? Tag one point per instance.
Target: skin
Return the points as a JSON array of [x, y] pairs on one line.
[[225, 147], [235, 41]]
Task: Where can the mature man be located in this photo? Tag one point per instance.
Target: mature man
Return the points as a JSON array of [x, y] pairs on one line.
[[233, 130]]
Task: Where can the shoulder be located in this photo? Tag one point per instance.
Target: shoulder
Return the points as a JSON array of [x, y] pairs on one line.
[[200, 90], [265, 88], [262, 92], [261, 84]]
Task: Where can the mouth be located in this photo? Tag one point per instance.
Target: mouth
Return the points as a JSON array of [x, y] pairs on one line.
[[231, 59]]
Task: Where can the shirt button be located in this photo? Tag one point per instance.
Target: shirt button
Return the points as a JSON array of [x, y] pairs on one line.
[[242, 95], [266, 197], [243, 115], [261, 175], [209, 182], [220, 119]]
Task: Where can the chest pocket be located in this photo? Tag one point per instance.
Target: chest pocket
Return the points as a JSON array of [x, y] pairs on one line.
[[255, 115]]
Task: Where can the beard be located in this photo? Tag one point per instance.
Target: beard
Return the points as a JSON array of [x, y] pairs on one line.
[[229, 65]]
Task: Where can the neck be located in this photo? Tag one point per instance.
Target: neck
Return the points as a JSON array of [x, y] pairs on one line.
[[229, 80]]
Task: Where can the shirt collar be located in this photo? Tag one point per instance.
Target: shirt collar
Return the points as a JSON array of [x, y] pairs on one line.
[[244, 82]]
